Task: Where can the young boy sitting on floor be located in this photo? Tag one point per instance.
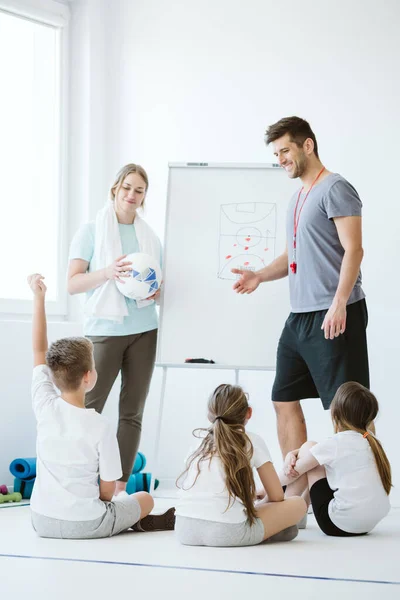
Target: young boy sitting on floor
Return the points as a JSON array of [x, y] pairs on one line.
[[78, 458]]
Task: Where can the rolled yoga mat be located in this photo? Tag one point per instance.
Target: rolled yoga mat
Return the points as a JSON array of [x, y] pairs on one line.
[[24, 471], [140, 482], [23, 468], [139, 464], [24, 487]]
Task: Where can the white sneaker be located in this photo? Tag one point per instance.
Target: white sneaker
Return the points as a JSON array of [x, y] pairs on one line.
[[120, 496]]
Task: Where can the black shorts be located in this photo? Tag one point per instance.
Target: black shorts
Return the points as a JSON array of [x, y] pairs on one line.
[[321, 494], [309, 366]]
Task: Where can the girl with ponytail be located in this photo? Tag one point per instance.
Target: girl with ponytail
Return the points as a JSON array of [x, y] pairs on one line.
[[217, 498], [348, 475]]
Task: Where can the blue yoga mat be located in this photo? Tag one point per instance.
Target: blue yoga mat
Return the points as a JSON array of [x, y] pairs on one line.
[[140, 463], [23, 468], [24, 487], [140, 482]]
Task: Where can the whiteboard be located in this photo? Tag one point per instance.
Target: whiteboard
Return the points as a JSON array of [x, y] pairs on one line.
[[221, 216]]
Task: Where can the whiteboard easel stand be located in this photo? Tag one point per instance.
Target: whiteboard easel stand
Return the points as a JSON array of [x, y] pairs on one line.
[[207, 366]]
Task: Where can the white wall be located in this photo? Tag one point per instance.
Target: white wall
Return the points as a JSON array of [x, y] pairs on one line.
[[157, 82], [201, 81]]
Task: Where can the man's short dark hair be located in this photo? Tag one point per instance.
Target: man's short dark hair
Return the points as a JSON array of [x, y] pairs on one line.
[[298, 129]]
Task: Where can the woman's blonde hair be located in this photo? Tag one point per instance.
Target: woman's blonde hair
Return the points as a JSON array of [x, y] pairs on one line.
[[121, 176], [354, 407], [227, 439]]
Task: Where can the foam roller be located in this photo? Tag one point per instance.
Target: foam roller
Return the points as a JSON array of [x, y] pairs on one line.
[[23, 468], [140, 482], [139, 464], [24, 487]]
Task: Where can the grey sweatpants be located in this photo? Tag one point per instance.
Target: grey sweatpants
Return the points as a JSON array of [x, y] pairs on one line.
[[118, 517], [134, 356], [199, 532]]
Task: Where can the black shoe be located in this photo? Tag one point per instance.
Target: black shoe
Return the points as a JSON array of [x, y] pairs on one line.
[[163, 522]]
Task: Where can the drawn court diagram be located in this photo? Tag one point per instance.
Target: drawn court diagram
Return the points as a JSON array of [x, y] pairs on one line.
[[242, 223], [247, 237]]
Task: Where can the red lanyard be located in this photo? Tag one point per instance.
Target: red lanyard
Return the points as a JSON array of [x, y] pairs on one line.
[[296, 218]]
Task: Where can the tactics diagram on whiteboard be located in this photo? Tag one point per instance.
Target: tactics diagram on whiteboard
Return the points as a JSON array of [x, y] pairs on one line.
[[247, 237]]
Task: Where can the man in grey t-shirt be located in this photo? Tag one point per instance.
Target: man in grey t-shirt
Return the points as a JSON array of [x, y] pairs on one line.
[[323, 343]]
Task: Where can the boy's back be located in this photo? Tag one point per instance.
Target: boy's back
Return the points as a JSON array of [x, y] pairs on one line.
[[74, 447]]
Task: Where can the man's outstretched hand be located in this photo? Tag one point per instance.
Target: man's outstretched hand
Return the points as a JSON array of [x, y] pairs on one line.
[[248, 282]]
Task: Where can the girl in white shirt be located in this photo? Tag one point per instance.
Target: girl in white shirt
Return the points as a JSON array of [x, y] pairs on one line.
[[348, 475], [216, 506]]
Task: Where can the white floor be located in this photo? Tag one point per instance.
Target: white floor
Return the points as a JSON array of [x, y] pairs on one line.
[[153, 565]]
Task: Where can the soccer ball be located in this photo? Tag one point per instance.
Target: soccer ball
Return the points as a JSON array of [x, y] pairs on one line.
[[144, 279]]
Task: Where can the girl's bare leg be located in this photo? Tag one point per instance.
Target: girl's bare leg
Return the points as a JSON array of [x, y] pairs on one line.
[[277, 516]]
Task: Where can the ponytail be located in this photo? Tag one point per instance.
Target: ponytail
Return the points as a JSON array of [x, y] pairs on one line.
[[235, 451], [382, 462]]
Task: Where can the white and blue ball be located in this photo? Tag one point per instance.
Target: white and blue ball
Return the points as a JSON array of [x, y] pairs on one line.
[[144, 279]]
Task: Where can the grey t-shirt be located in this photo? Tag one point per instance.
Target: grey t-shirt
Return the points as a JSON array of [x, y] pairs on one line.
[[319, 252]]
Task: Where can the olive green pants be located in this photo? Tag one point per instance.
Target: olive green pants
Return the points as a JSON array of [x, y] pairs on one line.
[[133, 356]]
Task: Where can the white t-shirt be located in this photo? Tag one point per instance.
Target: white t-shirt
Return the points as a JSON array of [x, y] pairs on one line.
[[360, 500], [208, 498], [74, 447]]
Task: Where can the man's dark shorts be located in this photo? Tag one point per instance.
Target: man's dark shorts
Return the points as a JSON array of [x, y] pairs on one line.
[[309, 366]]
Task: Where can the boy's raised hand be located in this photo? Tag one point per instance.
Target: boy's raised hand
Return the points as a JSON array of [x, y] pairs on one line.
[[39, 327], [37, 284]]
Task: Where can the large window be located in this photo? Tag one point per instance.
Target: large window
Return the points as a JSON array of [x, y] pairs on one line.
[[32, 159]]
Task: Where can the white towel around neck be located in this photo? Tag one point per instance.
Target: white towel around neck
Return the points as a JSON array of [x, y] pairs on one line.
[[107, 302]]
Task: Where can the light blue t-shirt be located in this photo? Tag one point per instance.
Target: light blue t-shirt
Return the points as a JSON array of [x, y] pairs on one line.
[[139, 320]]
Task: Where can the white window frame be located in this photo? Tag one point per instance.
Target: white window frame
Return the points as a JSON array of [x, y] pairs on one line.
[[55, 14]]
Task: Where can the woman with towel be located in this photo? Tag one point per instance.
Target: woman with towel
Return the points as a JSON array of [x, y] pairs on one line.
[[123, 331]]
